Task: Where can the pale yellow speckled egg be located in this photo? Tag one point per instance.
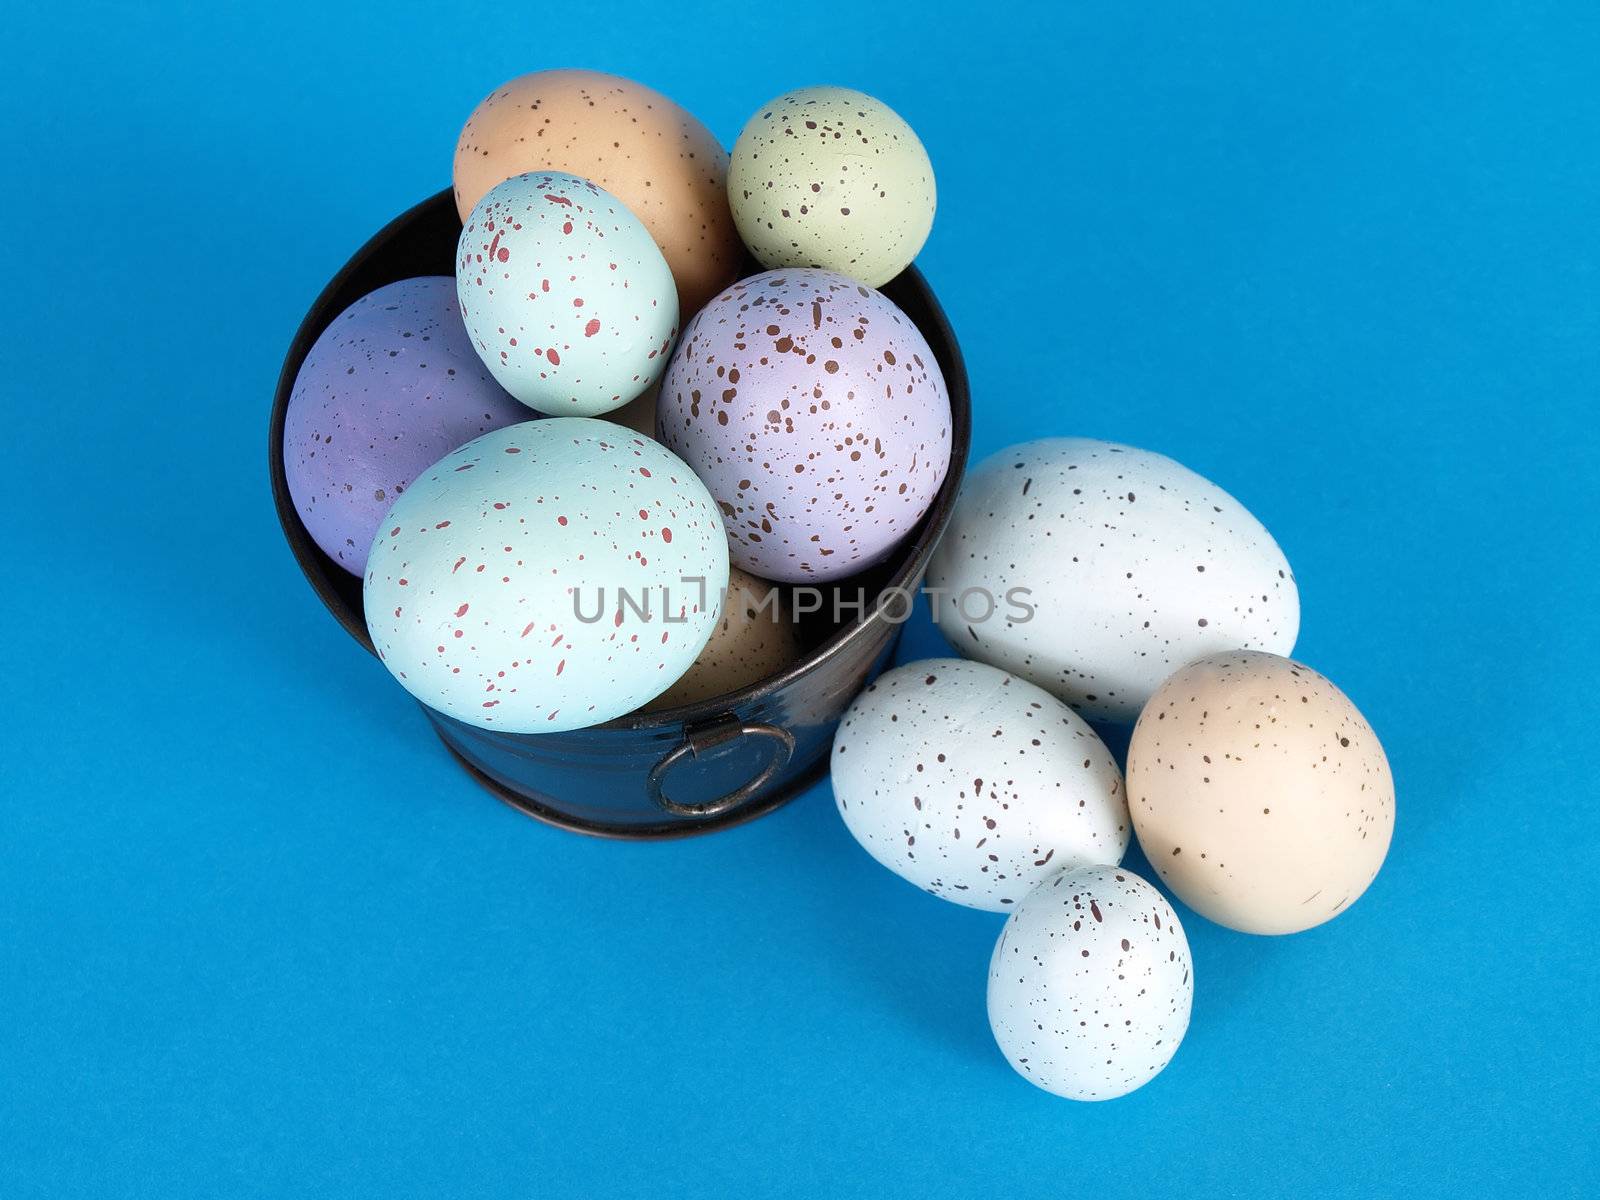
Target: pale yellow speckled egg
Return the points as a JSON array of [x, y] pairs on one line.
[[654, 156], [755, 640], [1259, 793], [829, 177]]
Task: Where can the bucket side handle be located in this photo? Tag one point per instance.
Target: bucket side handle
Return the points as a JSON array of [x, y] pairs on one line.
[[706, 739]]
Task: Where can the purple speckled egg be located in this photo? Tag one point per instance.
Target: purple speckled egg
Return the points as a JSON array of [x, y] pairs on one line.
[[813, 410], [391, 387]]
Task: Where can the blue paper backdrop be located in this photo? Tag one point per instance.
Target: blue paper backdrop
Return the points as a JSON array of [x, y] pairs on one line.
[[258, 935]]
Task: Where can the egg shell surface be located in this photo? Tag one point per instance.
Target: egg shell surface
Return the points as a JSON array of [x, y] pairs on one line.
[[1259, 793], [755, 640], [974, 784], [1090, 984], [813, 409], [388, 389], [830, 177], [632, 141], [567, 300], [639, 414], [545, 577], [1132, 565]]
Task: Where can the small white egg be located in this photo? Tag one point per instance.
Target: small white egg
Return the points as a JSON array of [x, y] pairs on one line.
[[1090, 984], [974, 784]]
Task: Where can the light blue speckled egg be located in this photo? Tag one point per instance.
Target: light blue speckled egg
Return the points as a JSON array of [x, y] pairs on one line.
[[547, 576], [1090, 984], [565, 295]]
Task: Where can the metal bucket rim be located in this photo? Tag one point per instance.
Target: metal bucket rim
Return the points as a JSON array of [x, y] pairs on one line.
[[315, 565]]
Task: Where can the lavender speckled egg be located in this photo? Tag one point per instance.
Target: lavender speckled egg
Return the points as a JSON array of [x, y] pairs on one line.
[[547, 576], [814, 411], [388, 389], [973, 784], [565, 294], [1090, 984], [1095, 570]]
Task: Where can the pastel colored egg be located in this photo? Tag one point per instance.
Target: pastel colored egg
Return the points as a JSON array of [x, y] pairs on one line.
[[1090, 984], [829, 177], [388, 389], [1259, 793], [547, 576], [635, 143], [973, 784], [755, 639], [1095, 570], [639, 414], [568, 301], [814, 411]]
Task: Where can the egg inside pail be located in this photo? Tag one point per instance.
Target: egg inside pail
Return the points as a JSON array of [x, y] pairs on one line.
[[547, 576]]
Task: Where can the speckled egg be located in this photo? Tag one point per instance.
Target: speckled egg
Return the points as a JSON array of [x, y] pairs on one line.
[[828, 177], [1090, 984], [814, 411], [1259, 793], [634, 142], [1095, 570], [547, 576], [973, 784], [388, 389], [756, 639], [566, 298], [639, 414]]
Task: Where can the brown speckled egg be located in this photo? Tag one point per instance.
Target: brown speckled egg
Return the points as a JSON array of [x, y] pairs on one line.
[[635, 143], [756, 639], [639, 414], [1259, 793]]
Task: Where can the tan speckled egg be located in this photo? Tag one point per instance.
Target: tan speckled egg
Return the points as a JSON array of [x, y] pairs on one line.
[[639, 414], [635, 143], [756, 639], [1259, 793]]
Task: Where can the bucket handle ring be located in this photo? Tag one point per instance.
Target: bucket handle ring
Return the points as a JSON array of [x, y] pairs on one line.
[[698, 742]]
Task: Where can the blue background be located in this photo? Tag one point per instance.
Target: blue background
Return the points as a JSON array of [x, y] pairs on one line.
[[259, 935]]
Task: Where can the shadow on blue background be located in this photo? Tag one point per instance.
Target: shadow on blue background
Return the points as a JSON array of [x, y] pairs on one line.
[[258, 935]]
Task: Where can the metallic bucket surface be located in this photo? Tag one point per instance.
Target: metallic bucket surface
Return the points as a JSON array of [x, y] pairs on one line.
[[680, 770]]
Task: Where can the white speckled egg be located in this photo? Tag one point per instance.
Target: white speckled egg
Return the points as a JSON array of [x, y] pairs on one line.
[[829, 177], [1090, 984], [814, 410], [973, 784], [1094, 570], [546, 576], [756, 639], [565, 295], [1259, 793]]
